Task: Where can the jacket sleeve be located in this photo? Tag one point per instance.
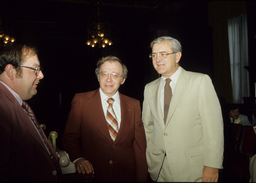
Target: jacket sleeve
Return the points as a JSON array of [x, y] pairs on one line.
[[212, 122], [5, 136], [146, 116], [71, 136], [139, 146]]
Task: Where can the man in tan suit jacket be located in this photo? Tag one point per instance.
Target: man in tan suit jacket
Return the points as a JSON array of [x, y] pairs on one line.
[[187, 147]]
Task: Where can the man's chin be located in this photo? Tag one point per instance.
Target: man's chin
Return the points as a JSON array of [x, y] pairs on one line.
[[34, 92], [28, 97]]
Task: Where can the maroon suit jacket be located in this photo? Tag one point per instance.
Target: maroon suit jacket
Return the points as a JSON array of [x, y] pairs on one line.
[[23, 156], [86, 135]]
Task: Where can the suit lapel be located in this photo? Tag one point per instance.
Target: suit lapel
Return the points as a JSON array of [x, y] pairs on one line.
[[126, 115], [155, 93], [34, 133], [24, 119], [99, 116], [180, 88], [32, 130]]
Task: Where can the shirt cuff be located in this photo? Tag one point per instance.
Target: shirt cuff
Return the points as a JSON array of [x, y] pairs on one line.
[[77, 159]]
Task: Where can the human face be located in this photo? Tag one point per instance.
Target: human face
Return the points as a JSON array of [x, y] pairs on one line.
[[110, 85], [234, 113], [26, 84], [165, 66]]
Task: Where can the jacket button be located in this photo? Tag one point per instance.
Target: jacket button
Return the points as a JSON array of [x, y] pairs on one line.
[[165, 134], [110, 162], [54, 172]]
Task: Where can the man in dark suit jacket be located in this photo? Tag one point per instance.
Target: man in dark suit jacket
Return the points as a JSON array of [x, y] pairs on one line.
[[23, 155], [90, 142]]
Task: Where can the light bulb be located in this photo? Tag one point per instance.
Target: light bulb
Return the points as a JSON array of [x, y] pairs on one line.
[[88, 42], [105, 41], [6, 37], [101, 34], [95, 41], [12, 39]]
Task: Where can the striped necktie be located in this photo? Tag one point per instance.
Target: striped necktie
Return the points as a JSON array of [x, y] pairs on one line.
[[41, 134], [112, 120]]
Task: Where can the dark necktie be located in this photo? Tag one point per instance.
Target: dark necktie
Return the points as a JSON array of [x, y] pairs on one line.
[[111, 119], [167, 97], [41, 134]]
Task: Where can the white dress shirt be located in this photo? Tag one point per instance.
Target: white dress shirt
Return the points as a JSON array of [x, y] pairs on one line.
[[116, 105], [174, 79]]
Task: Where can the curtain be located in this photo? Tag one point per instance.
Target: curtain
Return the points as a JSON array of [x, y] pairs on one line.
[[238, 53], [222, 77]]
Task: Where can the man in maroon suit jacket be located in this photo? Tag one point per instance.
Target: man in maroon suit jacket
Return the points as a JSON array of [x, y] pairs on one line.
[[23, 155], [87, 138]]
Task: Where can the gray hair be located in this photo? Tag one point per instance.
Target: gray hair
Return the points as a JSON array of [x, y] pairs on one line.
[[175, 43], [111, 59]]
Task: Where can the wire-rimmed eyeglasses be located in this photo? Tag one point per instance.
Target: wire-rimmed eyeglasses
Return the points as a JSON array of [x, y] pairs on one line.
[[153, 56], [114, 75], [36, 69]]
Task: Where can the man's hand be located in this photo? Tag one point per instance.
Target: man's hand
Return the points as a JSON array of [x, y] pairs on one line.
[[210, 174], [83, 166]]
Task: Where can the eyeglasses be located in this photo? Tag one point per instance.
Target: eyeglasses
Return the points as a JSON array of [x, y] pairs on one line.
[[114, 75], [36, 69], [160, 54]]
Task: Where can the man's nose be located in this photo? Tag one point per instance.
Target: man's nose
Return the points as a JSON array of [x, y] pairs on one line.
[[109, 77], [40, 75], [158, 58]]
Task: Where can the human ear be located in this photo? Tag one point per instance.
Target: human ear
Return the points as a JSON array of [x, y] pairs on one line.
[[10, 71], [123, 81], [177, 57]]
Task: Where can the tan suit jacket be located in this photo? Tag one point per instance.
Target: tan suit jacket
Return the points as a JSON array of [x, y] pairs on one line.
[[193, 135], [252, 169], [86, 135]]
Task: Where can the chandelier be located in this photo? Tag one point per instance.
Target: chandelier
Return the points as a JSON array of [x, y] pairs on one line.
[[5, 38], [99, 33]]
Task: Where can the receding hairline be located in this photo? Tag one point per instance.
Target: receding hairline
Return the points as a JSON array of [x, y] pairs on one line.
[[112, 61], [28, 52]]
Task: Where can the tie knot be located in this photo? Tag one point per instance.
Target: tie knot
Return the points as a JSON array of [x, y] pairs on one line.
[[168, 80], [110, 100]]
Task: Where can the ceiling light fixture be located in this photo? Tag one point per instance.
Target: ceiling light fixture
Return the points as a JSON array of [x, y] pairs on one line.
[[4, 36], [99, 32]]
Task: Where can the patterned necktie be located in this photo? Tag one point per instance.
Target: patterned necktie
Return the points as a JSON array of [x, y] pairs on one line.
[[41, 133], [112, 120], [167, 97]]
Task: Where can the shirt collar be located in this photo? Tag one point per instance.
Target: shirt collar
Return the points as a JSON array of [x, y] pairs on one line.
[[105, 97], [13, 93], [175, 75]]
